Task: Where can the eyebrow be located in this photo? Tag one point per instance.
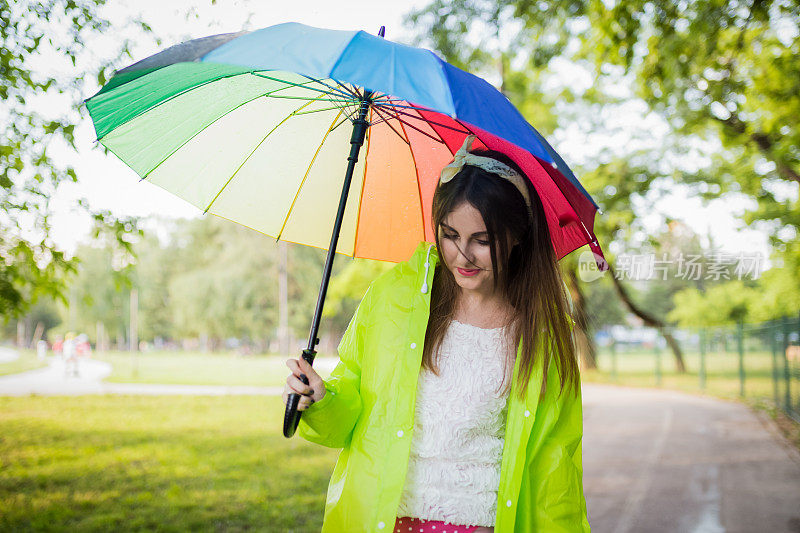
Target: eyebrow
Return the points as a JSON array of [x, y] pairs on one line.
[[474, 234]]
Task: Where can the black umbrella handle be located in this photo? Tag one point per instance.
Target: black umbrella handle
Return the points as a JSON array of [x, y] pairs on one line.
[[292, 416]]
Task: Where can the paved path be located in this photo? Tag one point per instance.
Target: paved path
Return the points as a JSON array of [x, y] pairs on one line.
[[8, 355], [53, 380], [662, 461]]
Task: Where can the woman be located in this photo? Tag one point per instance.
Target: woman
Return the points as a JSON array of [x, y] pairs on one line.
[[457, 398]]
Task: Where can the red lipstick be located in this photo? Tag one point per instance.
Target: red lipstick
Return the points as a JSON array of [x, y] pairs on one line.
[[468, 273]]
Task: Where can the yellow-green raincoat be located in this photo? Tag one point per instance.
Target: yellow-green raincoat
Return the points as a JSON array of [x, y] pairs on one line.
[[368, 411]]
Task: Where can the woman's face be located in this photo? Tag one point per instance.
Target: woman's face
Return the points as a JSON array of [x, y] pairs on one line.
[[466, 250]]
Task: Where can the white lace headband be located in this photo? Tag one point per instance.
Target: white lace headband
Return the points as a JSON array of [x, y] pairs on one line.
[[463, 157]]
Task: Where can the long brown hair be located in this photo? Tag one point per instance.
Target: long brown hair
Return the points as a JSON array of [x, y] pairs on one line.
[[530, 279]]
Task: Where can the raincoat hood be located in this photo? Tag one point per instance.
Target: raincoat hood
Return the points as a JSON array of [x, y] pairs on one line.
[[368, 411]]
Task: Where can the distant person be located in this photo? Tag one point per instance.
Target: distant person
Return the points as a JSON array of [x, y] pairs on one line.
[[41, 349], [70, 355], [82, 347], [58, 347]]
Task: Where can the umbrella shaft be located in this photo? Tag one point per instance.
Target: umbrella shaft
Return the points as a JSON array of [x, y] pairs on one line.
[[292, 416], [356, 141]]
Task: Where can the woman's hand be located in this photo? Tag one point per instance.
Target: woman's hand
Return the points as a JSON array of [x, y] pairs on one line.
[[313, 392], [483, 529]]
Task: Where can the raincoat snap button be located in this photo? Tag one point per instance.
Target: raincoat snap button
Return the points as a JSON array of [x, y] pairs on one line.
[[400, 433], [413, 345], [508, 503], [381, 525], [527, 413]]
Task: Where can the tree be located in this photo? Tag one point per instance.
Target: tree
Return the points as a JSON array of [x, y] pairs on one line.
[[736, 86], [97, 293], [39, 41], [348, 287], [466, 33], [226, 283]]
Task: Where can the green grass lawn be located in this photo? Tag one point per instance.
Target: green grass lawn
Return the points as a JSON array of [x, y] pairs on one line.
[[114, 463], [192, 368], [27, 361], [637, 369]]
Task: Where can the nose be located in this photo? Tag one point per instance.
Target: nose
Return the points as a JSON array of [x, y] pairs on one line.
[[470, 260]]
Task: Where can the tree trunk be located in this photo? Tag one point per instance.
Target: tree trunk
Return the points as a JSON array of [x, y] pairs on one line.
[[584, 341], [37, 334], [99, 344], [21, 334], [649, 320], [133, 334], [283, 300]]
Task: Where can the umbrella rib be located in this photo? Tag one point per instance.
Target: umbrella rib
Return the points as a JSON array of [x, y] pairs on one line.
[[346, 98], [405, 113], [390, 101], [318, 110], [353, 111], [425, 133], [304, 85], [208, 82], [416, 171], [469, 131], [246, 159], [345, 119], [351, 91], [341, 89], [198, 132], [290, 84], [386, 121], [228, 112], [333, 101], [305, 176]]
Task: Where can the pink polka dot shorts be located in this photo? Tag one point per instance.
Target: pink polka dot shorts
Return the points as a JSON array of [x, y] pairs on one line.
[[406, 524]]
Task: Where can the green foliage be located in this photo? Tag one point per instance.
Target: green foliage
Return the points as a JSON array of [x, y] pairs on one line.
[[349, 286], [35, 36], [777, 294], [211, 280], [739, 83], [483, 38], [723, 304]]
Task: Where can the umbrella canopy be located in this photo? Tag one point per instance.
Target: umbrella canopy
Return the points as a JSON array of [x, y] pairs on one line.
[[253, 126]]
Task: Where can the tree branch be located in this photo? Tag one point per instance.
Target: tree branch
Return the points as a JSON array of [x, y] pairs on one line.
[[764, 144]]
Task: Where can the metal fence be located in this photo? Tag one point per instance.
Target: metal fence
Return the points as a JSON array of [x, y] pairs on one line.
[[745, 360]]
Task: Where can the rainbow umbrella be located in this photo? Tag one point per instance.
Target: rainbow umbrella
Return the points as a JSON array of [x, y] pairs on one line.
[[253, 127]]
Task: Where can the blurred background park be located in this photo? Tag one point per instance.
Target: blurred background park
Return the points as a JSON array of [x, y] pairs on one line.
[[679, 118]]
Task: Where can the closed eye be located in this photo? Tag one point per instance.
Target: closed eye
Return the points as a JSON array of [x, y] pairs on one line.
[[453, 237]]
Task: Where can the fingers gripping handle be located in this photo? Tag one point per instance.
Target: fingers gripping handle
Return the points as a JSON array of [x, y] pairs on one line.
[[291, 417]]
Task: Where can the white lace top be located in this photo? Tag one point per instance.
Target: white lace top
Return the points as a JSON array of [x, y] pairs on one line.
[[454, 465]]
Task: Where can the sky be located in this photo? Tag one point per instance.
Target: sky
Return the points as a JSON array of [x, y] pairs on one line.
[[107, 183]]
